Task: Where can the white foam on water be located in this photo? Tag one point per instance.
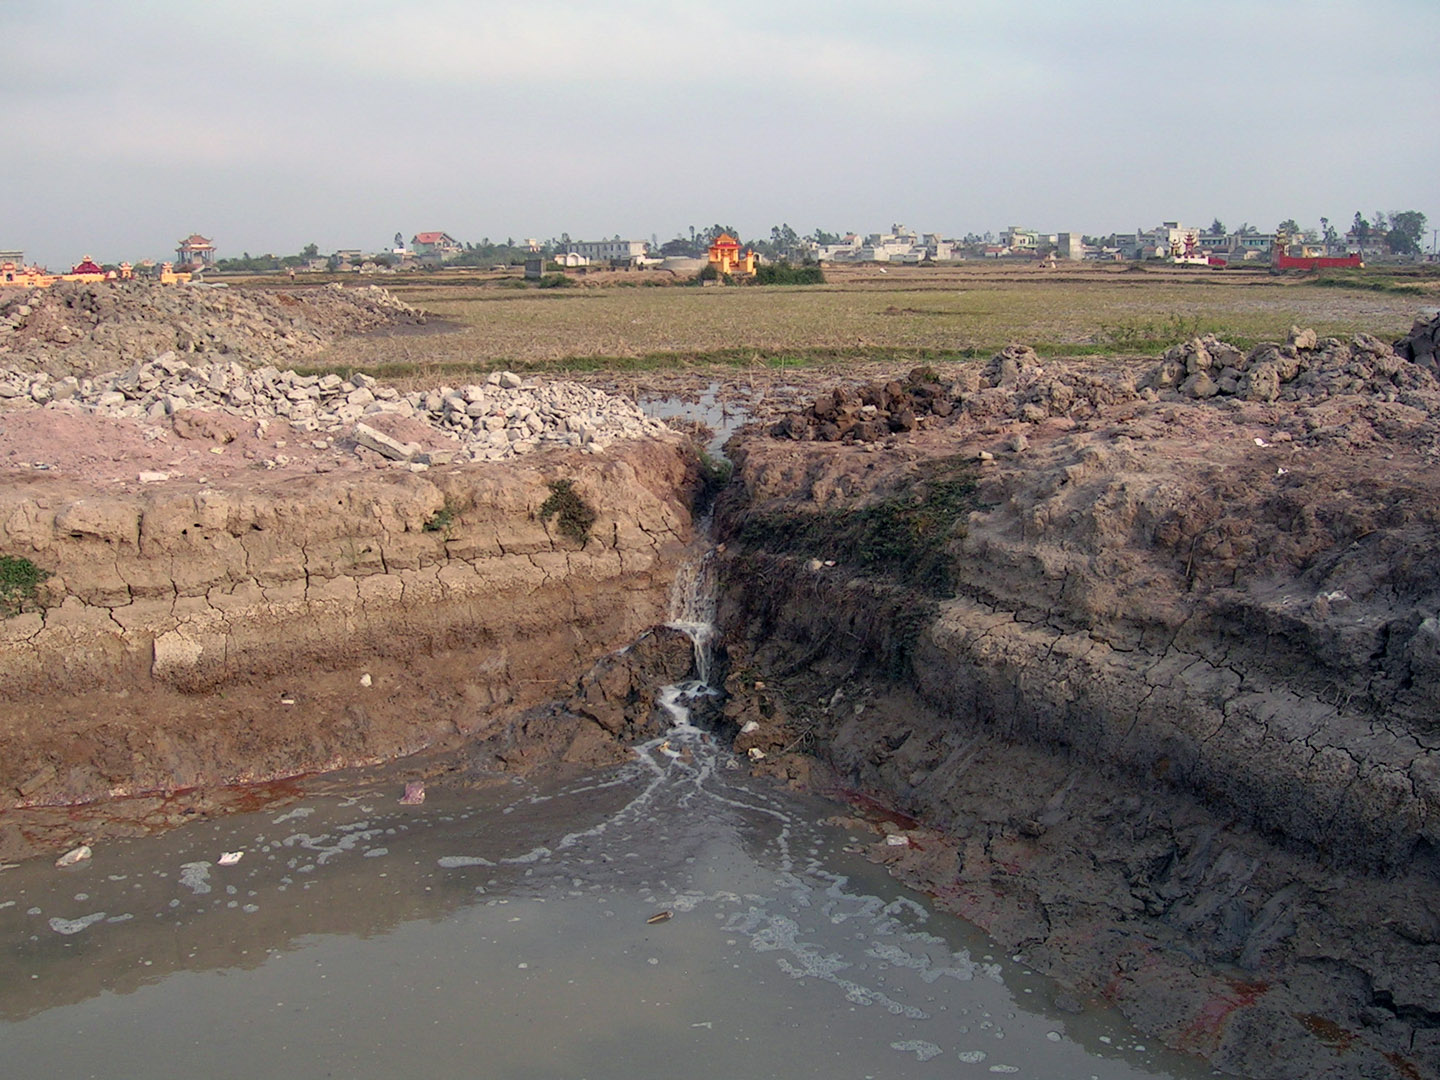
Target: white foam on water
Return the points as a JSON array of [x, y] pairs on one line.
[[195, 876], [74, 926], [769, 932], [534, 855], [326, 847], [922, 1050]]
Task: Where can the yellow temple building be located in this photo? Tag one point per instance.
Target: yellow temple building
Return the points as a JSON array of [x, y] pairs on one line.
[[726, 257]]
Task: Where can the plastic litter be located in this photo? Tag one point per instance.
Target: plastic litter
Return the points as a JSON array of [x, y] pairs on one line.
[[229, 858], [74, 856], [660, 916], [414, 793]]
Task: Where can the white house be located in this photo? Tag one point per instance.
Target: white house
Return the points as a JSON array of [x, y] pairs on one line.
[[616, 250]]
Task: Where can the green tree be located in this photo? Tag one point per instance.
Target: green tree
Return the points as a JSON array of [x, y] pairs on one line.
[[708, 236], [1407, 228], [784, 242], [1289, 226], [1217, 228], [1360, 227], [310, 251]]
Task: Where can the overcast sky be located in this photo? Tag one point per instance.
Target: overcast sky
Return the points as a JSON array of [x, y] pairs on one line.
[[268, 125]]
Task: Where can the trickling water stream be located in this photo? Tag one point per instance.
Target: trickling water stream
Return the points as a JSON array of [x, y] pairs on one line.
[[668, 917]]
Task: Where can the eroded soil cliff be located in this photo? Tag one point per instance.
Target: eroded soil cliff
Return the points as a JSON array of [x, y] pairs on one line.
[[200, 635], [1154, 657]]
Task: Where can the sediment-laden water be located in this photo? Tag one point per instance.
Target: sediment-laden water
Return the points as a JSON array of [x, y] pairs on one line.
[[508, 932], [672, 916]]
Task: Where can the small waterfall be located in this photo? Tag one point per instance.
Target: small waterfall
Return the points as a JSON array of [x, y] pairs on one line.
[[692, 611], [692, 608]]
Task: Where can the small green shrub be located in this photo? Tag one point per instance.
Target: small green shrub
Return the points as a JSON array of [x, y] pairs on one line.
[[782, 273], [573, 515], [555, 281], [19, 580], [715, 473], [443, 519], [907, 535]]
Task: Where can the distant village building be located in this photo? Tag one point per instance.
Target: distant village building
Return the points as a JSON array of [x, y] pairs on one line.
[[87, 269], [571, 259], [196, 252], [435, 245], [899, 245], [1020, 241], [611, 251], [1070, 245], [22, 276], [726, 257]]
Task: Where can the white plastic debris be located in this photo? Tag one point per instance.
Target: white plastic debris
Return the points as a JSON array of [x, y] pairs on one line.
[[365, 679], [897, 840], [230, 858], [750, 725], [74, 856], [756, 754]]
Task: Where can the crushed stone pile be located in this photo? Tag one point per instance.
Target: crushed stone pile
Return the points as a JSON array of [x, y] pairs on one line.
[[501, 418], [81, 329]]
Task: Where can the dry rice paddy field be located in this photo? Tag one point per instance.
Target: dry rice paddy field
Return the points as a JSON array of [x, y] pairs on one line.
[[864, 313]]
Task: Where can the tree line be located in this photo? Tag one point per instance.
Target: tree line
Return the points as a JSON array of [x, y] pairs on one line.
[[1402, 231]]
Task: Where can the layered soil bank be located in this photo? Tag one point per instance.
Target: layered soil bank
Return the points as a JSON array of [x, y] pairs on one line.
[[191, 636], [1155, 668]]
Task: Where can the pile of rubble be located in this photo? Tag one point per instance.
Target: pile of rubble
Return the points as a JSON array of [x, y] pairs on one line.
[[1422, 345], [868, 413], [1304, 367], [1015, 385], [503, 417], [81, 329]]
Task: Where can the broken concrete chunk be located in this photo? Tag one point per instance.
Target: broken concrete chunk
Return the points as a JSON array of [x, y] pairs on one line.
[[383, 444]]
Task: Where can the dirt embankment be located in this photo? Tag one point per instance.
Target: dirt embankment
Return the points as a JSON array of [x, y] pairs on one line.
[[189, 637], [81, 330], [1155, 658]]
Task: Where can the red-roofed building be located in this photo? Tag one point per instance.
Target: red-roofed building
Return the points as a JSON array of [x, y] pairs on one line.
[[435, 244], [87, 265], [195, 251], [726, 257]]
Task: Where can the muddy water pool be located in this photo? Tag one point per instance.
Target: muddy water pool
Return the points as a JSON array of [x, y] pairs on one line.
[[507, 932]]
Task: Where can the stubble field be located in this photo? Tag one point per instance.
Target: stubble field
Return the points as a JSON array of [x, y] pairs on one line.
[[862, 313]]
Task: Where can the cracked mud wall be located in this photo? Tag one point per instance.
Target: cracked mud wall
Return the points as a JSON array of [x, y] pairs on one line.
[[178, 623], [1169, 725]]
